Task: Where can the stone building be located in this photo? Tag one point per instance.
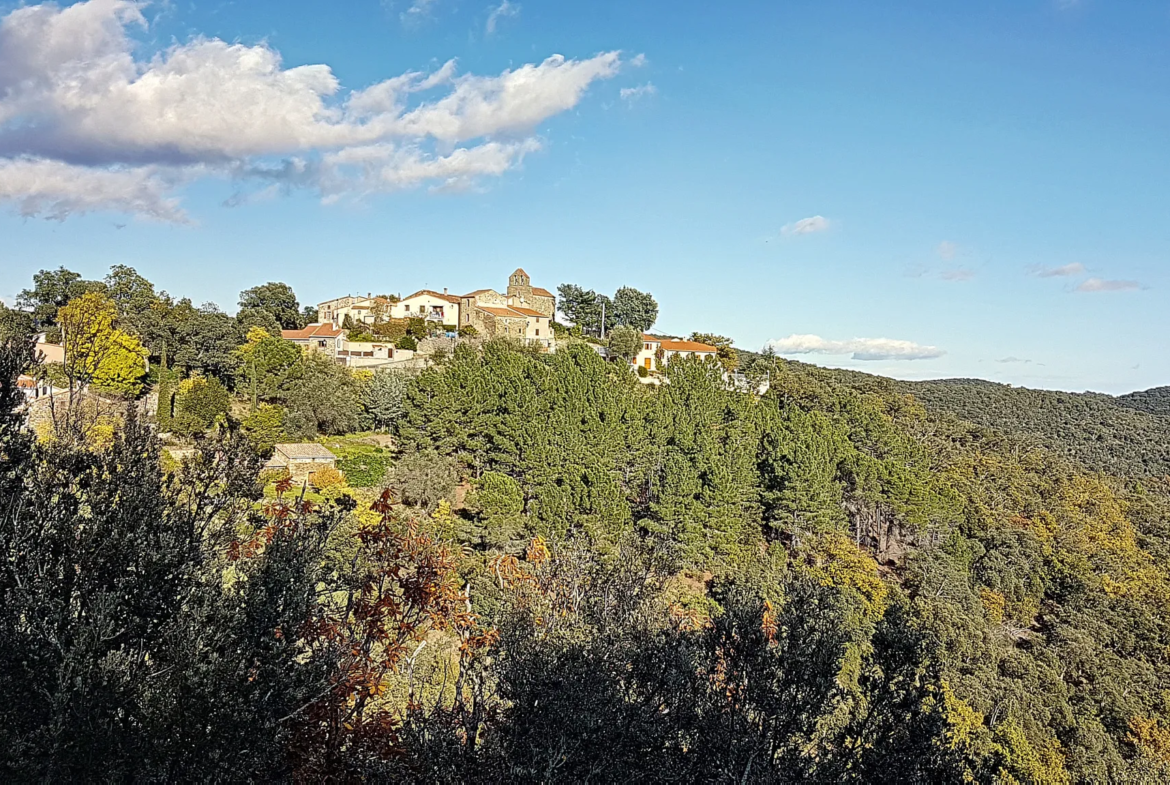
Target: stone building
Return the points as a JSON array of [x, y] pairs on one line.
[[301, 460], [521, 292], [525, 312]]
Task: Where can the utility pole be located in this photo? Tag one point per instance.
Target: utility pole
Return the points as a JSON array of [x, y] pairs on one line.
[[603, 319]]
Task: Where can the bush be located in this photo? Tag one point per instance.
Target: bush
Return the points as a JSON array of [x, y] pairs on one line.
[[407, 343], [199, 404], [265, 426], [324, 479], [416, 327], [365, 469], [391, 329], [468, 331], [424, 478], [643, 371]]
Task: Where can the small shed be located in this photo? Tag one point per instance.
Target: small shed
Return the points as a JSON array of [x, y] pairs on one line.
[[301, 460]]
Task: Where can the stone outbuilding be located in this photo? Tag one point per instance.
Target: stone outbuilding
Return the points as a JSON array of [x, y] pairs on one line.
[[301, 460]]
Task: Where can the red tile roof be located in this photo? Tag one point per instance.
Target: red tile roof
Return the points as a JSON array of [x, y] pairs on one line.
[[327, 330], [527, 311], [542, 292], [508, 313], [26, 383], [687, 346], [448, 297], [477, 291]]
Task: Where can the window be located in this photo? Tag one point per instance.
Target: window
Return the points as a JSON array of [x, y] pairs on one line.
[[537, 332]]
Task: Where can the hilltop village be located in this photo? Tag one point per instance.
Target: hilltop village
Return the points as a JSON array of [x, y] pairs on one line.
[[387, 331]]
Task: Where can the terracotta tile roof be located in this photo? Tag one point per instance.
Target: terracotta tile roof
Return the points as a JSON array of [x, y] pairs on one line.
[[477, 291], [521, 271], [448, 297], [687, 346], [542, 292], [26, 383], [527, 311], [327, 330], [508, 313]]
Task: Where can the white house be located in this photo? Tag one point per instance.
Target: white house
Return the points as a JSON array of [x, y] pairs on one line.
[[427, 304], [656, 351]]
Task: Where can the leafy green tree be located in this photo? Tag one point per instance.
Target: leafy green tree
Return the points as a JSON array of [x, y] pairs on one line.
[[133, 295], [580, 306], [247, 318], [14, 323], [268, 366], [96, 352], [424, 479], [325, 398], [383, 400], [52, 290], [265, 426], [200, 403], [635, 309], [277, 299], [727, 356], [625, 342], [407, 343]]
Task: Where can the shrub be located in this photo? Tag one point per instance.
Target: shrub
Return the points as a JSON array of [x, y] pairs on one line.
[[365, 469], [391, 329], [643, 371], [407, 342], [424, 478], [265, 426], [324, 479], [468, 331], [416, 327], [199, 403]]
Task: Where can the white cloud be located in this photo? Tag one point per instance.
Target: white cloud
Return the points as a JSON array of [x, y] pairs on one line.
[[55, 190], [1064, 271], [817, 223], [957, 274], [504, 9], [73, 93], [858, 348], [638, 60], [418, 11], [1014, 360], [946, 250], [632, 94], [1100, 285]]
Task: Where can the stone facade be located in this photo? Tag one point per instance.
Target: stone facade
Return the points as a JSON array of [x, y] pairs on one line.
[[522, 292]]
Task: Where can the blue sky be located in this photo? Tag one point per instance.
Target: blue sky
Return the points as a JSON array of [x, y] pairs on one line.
[[924, 190]]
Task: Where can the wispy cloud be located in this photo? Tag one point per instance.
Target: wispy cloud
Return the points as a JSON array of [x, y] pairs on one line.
[[418, 11], [632, 94], [504, 9], [122, 131], [946, 250], [817, 223], [638, 60], [958, 274], [858, 348], [1102, 285], [1013, 360], [1065, 271]]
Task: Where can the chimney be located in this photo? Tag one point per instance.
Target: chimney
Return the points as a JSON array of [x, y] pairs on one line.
[[369, 295], [444, 290]]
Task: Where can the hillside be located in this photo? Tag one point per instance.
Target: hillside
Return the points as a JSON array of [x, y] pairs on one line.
[[1127, 435], [613, 582], [1153, 401], [1089, 428]]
